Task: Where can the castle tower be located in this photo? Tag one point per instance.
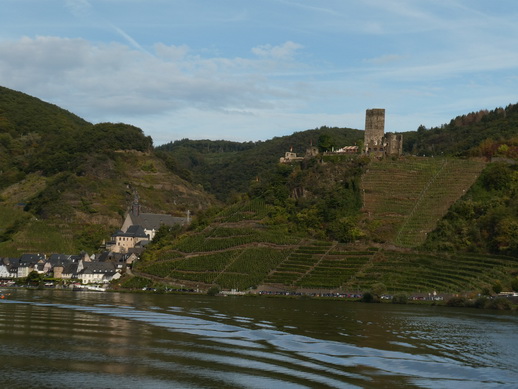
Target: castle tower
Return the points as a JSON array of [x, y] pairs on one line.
[[374, 131], [374, 125]]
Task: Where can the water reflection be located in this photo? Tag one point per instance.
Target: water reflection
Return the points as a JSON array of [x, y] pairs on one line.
[[193, 341]]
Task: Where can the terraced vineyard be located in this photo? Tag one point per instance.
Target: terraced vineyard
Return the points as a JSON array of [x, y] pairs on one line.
[[298, 264], [404, 199], [236, 252], [240, 252], [413, 272]]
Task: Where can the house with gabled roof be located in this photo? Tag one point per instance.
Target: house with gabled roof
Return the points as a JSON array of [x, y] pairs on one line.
[[120, 259], [122, 241], [28, 263], [68, 272], [97, 272], [9, 267]]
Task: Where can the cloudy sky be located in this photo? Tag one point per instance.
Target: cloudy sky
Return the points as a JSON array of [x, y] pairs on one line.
[[254, 69]]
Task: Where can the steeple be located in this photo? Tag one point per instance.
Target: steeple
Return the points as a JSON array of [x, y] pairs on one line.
[[135, 208]]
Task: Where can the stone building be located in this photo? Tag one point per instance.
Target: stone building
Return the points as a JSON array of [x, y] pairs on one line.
[[150, 222], [376, 143], [290, 156]]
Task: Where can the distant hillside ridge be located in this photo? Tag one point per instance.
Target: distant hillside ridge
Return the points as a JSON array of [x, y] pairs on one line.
[[404, 199], [225, 168]]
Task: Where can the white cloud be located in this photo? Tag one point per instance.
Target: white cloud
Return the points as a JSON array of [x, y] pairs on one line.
[[112, 79], [171, 53], [385, 59], [285, 51], [78, 8]]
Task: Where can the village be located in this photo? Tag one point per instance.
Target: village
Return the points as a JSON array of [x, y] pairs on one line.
[[94, 271]]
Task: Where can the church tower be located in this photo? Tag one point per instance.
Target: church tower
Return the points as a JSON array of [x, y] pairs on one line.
[[135, 207]]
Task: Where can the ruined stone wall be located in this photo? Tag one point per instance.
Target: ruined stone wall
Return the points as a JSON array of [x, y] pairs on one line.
[[394, 144]]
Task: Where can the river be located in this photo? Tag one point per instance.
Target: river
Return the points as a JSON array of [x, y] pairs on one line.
[[63, 339]]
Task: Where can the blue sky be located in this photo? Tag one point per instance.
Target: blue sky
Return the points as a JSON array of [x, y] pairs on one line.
[[255, 69]]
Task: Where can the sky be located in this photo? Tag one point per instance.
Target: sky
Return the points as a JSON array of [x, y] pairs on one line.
[[248, 70]]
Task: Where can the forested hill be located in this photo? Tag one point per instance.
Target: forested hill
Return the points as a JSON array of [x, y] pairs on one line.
[[224, 168], [479, 133], [21, 113], [65, 184], [36, 136]]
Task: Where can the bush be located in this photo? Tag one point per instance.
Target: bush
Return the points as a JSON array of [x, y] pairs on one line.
[[400, 299], [480, 302], [136, 283], [499, 303], [368, 297], [497, 287], [457, 302], [213, 291]]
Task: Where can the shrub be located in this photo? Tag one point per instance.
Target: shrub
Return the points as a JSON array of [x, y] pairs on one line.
[[497, 287], [480, 302], [368, 297], [136, 283], [400, 299], [499, 303], [457, 302], [213, 291]]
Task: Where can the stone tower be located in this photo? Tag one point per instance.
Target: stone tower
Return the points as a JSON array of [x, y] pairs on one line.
[[374, 131], [376, 143]]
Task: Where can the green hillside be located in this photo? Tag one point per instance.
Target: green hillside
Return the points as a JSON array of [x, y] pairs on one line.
[[226, 168], [285, 238], [485, 219], [241, 249], [404, 199], [349, 223], [65, 184], [68, 212], [474, 134]]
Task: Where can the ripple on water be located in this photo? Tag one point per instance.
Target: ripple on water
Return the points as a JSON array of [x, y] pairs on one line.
[[258, 353]]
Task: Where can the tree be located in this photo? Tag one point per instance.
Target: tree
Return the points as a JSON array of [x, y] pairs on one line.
[[325, 142], [34, 278], [497, 287], [213, 291]]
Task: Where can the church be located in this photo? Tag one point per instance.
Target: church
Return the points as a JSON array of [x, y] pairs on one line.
[[139, 228]]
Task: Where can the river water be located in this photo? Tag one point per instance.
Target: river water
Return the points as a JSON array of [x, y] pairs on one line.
[[62, 339]]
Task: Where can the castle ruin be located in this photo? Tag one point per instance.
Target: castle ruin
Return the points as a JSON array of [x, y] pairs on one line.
[[376, 144]]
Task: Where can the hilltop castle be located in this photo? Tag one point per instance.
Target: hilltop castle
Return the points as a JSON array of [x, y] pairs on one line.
[[376, 143]]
